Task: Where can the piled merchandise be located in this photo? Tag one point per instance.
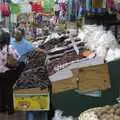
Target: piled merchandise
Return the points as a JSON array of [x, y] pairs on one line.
[[64, 50], [35, 73], [61, 52], [102, 113]]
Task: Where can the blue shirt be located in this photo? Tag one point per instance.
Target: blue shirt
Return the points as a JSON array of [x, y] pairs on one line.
[[22, 47]]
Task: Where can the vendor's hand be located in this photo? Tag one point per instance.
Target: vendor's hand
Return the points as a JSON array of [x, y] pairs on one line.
[[41, 51]]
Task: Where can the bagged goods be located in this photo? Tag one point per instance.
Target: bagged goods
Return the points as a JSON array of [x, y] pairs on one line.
[[97, 39]]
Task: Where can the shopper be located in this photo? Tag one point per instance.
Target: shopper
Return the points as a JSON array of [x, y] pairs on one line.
[[8, 74], [23, 46]]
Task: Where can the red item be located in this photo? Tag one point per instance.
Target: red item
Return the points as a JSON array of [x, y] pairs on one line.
[[4, 7], [37, 7]]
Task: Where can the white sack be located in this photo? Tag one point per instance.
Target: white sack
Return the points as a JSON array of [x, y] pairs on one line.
[[113, 54], [59, 116]]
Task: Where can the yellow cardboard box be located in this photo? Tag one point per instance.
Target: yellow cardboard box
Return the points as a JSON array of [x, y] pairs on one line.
[[32, 102]]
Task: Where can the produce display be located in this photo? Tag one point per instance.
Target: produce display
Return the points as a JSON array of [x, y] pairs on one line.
[[52, 42], [35, 73], [102, 113], [66, 59]]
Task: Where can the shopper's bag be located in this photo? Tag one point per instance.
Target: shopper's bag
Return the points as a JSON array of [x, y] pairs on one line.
[[11, 61]]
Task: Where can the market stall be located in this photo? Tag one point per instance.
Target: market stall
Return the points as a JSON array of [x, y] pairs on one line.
[[79, 69], [75, 77]]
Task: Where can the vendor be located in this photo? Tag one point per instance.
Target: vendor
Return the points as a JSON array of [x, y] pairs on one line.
[[23, 46], [20, 43]]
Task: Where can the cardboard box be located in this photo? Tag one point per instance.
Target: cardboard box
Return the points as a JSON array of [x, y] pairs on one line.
[[32, 99]]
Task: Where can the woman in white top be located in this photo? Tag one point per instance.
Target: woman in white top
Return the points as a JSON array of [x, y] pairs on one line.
[[8, 76]]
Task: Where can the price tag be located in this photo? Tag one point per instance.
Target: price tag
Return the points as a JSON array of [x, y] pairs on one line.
[[74, 45]]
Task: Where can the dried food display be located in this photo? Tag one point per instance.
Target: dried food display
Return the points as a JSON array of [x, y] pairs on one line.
[[35, 72], [63, 60], [102, 113], [35, 59], [31, 78], [55, 42]]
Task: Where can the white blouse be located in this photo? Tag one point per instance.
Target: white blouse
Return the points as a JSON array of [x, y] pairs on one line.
[[3, 57]]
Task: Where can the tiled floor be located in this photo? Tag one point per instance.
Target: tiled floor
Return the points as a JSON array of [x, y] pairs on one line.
[[16, 116]]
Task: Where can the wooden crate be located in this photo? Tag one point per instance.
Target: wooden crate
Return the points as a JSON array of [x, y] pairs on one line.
[[63, 85], [92, 78]]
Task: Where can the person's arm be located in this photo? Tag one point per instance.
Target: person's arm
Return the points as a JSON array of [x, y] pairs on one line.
[[41, 51]]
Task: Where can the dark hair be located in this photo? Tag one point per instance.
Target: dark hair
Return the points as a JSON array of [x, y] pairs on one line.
[[4, 39], [21, 30]]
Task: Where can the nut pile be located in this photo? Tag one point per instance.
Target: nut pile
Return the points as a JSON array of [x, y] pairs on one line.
[[66, 58], [102, 113]]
